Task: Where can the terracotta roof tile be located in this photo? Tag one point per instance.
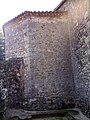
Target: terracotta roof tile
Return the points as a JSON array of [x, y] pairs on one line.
[[36, 14]]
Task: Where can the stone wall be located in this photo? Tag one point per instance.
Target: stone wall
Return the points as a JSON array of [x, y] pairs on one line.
[[11, 83], [2, 49], [43, 42], [81, 59], [17, 43], [80, 50], [55, 47], [79, 28], [50, 64]]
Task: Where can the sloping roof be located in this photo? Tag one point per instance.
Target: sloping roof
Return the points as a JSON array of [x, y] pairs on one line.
[[61, 3], [26, 14]]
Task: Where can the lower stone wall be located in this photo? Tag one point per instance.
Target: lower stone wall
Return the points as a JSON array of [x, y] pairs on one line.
[[11, 83], [12, 90], [42, 104]]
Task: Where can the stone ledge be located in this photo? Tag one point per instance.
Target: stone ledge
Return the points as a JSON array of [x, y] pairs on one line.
[[24, 114]]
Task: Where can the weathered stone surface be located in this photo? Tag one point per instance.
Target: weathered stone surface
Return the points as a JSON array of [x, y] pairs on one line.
[[48, 72], [56, 52], [81, 51], [11, 83], [2, 49], [79, 31]]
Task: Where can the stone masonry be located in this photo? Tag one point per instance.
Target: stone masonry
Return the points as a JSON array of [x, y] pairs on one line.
[[38, 38], [11, 83], [55, 47], [79, 23]]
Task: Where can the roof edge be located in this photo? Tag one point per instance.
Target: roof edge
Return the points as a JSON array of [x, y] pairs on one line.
[[25, 14], [61, 3]]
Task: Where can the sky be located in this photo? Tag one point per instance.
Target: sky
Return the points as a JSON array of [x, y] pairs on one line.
[[11, 8]]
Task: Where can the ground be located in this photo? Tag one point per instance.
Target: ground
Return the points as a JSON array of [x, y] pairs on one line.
[[54, 118]]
